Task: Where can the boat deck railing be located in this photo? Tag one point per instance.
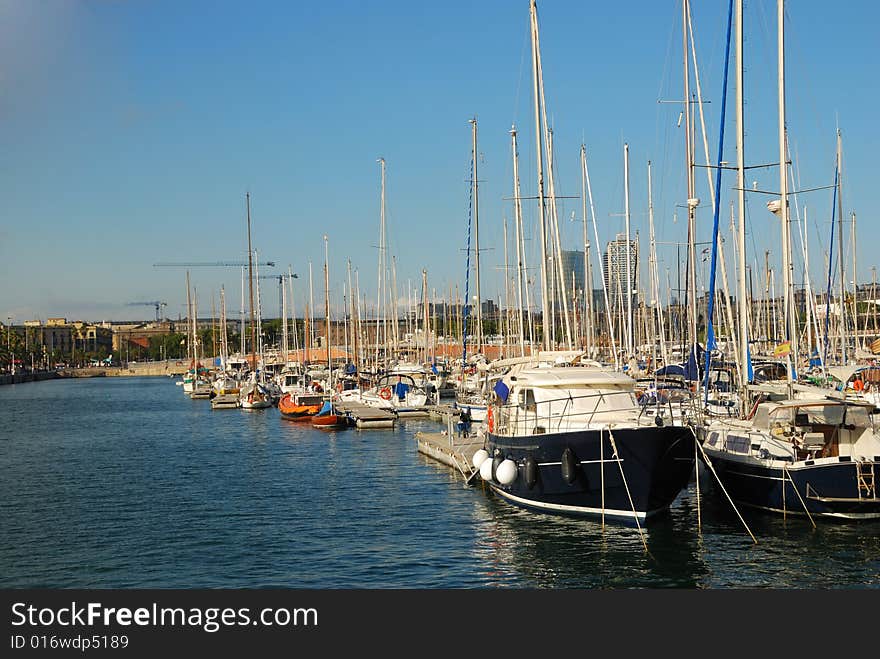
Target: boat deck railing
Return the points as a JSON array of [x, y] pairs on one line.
[[545, 416]]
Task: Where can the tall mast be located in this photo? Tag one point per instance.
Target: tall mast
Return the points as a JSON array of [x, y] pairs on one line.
[[191, 324], [790, 319], [842, 304], [692, 201], [310, 310], [520, 274], [306, 331], [536, 77], [251, 283], [224, 346], [855, 285], [395, 325], [742, 299], [476, 186], [425, 310], [506, 326], [285, 345], [603, 266], [380, 289], [629, 281], [259, 307], [327, 305], [352, 305], [242, 334], [292, 306], [588, 267], [559, 275], [655, 275]]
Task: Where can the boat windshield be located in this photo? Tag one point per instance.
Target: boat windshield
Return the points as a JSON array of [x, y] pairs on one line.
[[821, 415]]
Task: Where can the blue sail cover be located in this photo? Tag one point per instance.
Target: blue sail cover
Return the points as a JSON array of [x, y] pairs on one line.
[[326, 408], [672, 369], [692, 367], [502, 391]]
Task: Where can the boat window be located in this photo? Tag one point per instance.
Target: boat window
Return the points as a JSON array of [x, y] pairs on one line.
[[831, 415], [527, 400], [736, 444], [858, 416]]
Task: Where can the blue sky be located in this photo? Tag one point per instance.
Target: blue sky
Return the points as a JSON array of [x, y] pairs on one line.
[[131, 131]]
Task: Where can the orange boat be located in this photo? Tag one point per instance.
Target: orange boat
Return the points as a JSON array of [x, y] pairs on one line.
[[327, 418], [291, 409]]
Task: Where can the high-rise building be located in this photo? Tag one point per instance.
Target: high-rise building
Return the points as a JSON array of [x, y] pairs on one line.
[[615, 265], [573, 269]]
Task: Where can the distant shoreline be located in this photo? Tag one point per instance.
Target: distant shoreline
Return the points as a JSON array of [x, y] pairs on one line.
[[155, 369]]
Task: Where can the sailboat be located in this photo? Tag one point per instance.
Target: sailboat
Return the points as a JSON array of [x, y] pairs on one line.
[[808, 452], [329, 418], [252, 395]]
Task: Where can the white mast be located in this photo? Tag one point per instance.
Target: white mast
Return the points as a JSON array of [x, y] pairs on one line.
[[536, 76], [251, 284], [224, 347], [588, 267], [190, 345], [259, 306], [285, 346], [842, 303], [506, 326], [557, 246], [425, 311], [655, 275], [479, 327], [352, 313], [692, 201], [855, 302], [380, 290], [790, 318], [292, 310], [327, 308], [242, 334], [629, 281], [520, 268], [741, 202], [310, 312]]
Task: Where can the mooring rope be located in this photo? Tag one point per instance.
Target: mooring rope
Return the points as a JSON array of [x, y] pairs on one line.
[[786, 474], [626, 486], [723, 489]]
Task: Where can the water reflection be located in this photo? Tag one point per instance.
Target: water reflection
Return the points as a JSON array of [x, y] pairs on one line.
[[548, 551], [129, 484]]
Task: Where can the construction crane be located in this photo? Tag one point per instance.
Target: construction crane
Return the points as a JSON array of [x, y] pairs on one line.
[[159, 306], [280, 279], [211, 264]]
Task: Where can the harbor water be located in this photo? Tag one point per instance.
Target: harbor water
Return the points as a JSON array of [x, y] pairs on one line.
[[127, 483]]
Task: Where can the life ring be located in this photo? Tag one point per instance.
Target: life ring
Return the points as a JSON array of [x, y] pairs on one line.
[[385, 393], [490, 419]]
